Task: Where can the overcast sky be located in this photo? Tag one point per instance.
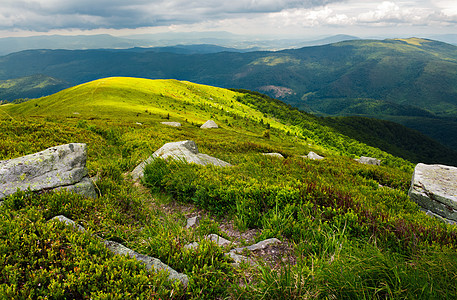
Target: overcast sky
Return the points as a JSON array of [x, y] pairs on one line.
[[258, 17]]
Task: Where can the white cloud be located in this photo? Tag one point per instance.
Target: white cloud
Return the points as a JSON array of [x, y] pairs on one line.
[[261, 16]]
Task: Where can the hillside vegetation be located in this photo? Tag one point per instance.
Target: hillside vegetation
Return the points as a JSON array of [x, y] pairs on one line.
[[34, 86], [348, 230], [409, 81]]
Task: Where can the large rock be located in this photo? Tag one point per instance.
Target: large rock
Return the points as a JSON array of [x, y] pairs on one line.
[[369, 161], [185, 150], [434, 188], [209, 124], [61, 167]]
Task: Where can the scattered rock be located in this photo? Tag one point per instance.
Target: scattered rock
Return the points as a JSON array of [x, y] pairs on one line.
[[172, 124], [314, 156], [274, 154], [191, 246], [117, 248], [192, 222], [239, 259], [220, 241], [434, 187], [185, 150], [369, 161], [209, 124], [258, 246], [68, 221], [61, 167], [149, 262]]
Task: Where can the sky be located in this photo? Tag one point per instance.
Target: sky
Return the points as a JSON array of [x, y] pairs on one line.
[[279, 18]]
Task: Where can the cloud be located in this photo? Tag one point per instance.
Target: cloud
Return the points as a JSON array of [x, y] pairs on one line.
[[87, 14]]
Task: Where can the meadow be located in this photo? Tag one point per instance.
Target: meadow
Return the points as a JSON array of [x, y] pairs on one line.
[[348, 230]]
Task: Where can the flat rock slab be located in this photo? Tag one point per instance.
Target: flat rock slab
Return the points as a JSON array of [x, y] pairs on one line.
[[172, 124], [151, 263], [434, 187], [57, 167], [209, 124], [369, 161], [183, 150], [258, 246], [274, 154]]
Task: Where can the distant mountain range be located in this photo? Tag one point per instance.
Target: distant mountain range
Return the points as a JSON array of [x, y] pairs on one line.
[[409, 81], [187, 43]]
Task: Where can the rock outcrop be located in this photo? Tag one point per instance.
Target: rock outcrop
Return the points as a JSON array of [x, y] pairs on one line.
[[151, 263], [434, 188], [184, 150], [61, 167], [369, 161], [209, 124], [172, 124]]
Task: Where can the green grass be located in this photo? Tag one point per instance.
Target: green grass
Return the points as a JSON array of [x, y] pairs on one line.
[[350, 237]]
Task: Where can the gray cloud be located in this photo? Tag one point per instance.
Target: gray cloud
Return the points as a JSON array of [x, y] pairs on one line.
[[42, 15]]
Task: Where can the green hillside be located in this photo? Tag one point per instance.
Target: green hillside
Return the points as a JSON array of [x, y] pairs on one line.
[[411, 80], [348, 230]]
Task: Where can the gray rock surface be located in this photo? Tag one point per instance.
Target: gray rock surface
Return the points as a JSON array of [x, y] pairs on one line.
[[220, 241], [237, 258], [274, 154], [54, 168], [258, 246], [434, 187], [314, 156], [192, 222], [192, 246], [185, 150], [369, 161], [172, 124], [149, 262], [68, 221], [209, 124]]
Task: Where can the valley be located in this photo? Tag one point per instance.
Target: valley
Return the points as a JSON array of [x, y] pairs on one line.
[[408, 81]]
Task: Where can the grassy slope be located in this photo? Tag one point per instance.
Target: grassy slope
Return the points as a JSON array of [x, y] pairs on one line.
[[337, 219]]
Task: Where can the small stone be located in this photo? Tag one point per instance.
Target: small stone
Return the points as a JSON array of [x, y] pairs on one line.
[[220, 241], [239, 259], [369, 161], [314, 156], [192, 246], [274, 154], [68, 221], [258, 246], [209, 124], [192, 222], [172, 124]]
